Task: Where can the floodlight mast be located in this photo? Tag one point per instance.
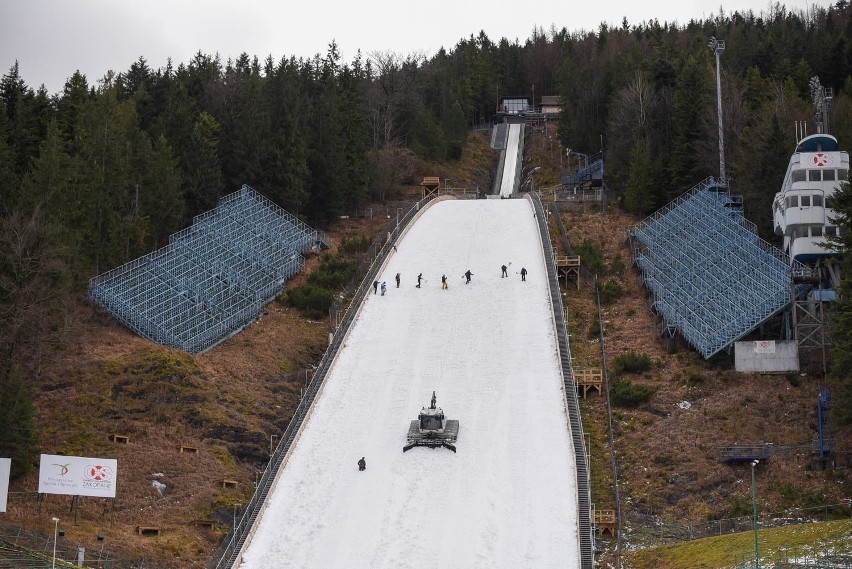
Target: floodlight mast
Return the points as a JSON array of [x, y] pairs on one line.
[[717, 47]]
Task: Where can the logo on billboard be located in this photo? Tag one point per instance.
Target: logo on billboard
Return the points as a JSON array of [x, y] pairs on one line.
[[77, 476], [98, 473]]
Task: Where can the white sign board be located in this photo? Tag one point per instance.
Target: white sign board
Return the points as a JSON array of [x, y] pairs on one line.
[[5, 467], [77, 476]]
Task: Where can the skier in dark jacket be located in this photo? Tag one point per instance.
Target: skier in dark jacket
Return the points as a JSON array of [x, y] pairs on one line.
[[444, 282], [420, 276], [468, 274], [523, 274], [375, 287], [362, 464], [397, 280], [505, 274]]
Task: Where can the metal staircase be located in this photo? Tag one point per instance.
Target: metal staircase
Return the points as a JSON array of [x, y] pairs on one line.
[[584, 496], [592, 171]]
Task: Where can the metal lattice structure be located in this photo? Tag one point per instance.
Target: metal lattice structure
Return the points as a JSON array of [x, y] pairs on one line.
[[711, 278], [213, 277]]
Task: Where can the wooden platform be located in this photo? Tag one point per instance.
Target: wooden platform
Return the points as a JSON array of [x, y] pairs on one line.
[[588, 378], [604, 520], [430, 184], [207, 524], [190, 450], [120, 439], [229, 483], [568, 266]]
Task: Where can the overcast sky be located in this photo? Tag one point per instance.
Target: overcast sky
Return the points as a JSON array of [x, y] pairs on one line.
[[52, 38]]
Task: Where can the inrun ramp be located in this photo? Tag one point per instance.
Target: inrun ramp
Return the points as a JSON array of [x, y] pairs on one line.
[[508, 498], [212, 278], [512, 161], [711, 278]]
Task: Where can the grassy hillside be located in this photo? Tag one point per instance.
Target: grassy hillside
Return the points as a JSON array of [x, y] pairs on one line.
[[798, 541]]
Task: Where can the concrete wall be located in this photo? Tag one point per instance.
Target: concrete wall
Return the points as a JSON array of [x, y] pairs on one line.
[[766, 356]]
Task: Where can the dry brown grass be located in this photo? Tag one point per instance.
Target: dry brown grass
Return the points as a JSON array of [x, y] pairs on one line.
[[667, 456]]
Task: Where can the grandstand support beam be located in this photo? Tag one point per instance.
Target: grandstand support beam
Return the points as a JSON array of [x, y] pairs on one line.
[[717, 47]]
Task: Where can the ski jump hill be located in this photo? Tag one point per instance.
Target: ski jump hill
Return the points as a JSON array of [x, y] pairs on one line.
[[491, 350]]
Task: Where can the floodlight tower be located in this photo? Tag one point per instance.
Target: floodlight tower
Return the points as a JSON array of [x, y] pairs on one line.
[[717, 47]]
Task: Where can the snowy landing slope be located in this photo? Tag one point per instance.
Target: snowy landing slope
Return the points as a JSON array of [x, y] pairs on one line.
[[508, 499]]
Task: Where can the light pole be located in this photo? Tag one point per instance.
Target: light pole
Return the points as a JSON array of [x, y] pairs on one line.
[[55, 534], [717, 47], [271, 439], [754, 515]]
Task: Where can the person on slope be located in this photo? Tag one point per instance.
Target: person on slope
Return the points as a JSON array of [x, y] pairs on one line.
[[397, 280], [505, 274], [375, 287], [420, 276], [444, 282], [362, 465], [467, 275], [384, 287], [523, 274]]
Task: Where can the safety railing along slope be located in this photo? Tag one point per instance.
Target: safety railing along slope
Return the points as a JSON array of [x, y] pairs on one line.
[[228, 553], [584, 496]]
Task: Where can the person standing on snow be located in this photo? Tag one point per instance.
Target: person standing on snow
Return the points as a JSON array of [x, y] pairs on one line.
[[444, 282], [468, 274], [420, 276], [384, 288], [362, 465], [375, 287], [523, 274], [397, 280], [505, 274]]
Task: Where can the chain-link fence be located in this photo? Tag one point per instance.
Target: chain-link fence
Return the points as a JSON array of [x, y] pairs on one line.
[[812, 556], [25, 548], [644, 529]]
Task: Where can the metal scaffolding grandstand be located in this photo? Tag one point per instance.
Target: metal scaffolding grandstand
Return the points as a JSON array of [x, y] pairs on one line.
[[711, 278], [213, 277]]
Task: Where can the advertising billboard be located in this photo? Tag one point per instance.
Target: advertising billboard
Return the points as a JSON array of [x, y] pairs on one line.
[[5, 467], [77, 476]]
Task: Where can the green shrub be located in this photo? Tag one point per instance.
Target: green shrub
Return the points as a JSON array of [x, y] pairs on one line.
[[616, 267], [314, 300], [590, 256], [333, 273], [609, 290], [353, 245], [595, 328], [694, 378], [626, 394], [631, 362]]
